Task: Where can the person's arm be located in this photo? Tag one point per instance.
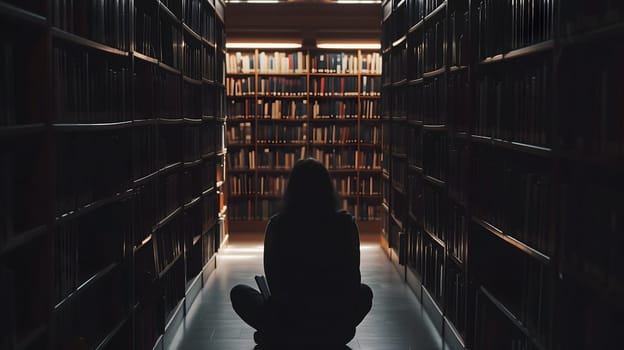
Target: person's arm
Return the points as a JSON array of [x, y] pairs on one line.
[[271, 266], [353, 240]]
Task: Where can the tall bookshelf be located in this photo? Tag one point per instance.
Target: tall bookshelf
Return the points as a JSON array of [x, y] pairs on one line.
[[500, 168], [284, 106], [111, 126]]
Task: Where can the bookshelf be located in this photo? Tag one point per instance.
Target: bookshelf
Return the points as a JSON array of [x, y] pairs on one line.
[[287, 105], [120, 106], [488, 198]]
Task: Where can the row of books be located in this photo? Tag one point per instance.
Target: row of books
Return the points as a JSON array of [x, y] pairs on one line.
[[459, 24], [336, 134], [371, 86], [370, 134], [415, 146], [510, 25], [296, 62], [170, 44], [296, 109], [239, 133], [458, 172], [369, 160], [192, 64], [208, 63], [77, 261], [241, 109], [241, 184], [420, 9], [282, 62], [333, 158], [208, 25], [193, 12], [599, 98], [144, 37], [398, 65], [103, 21], [515, 196], [282, 86], [100, 172], [283, 109], [191, 100], [240, 86], [577, 17], [435, 46], [169, 242], [367, 211], [433, 102], [334, 109], [169, 196], [455, 291], [282, 133], [112, 305], [271, 184], [240, 63], [173, 286], [589, 203], [518, 282], [334, 86], [457, 233], [168, 94], [370, 109], [279, 158], [458, 95], [435, 155], [146, 209], [210, 208], [339, 62], [433, 272], [398, 173], [398, 141], [517, 106], [175, 6], [369, 185], [435, 208], [90, 88], [263, 209], [212, 137], [192, 184]]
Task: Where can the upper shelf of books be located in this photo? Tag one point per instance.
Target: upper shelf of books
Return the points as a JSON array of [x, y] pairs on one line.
[[303, 62]]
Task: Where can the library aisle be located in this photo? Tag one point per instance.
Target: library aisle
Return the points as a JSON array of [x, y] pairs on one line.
[[396, 321]]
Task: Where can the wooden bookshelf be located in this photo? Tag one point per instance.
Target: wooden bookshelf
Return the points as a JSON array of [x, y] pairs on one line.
[[319, 95], [109, 171], [502, 160]]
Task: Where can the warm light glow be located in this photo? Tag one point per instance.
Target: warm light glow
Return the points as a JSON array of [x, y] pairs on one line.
[[365, 46], [263, 45]]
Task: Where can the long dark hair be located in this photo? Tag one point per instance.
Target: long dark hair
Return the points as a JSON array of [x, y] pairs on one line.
[[310, 192]]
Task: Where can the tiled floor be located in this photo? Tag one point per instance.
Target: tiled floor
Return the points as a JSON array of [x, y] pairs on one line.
[[396, 321]]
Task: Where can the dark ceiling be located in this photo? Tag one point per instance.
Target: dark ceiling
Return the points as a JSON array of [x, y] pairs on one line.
[[308, 22]]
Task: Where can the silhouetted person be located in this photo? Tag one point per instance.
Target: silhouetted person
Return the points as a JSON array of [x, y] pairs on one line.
[[312, 266]]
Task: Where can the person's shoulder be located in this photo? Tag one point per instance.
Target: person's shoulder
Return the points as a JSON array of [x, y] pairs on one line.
[[274, 220], [344, 215]]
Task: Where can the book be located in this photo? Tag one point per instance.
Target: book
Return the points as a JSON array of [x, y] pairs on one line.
[[263, 286]]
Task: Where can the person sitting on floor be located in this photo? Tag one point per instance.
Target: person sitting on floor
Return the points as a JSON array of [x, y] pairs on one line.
[[312, 267]]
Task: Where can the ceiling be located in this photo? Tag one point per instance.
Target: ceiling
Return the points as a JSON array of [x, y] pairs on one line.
[[307, 22]]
